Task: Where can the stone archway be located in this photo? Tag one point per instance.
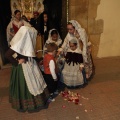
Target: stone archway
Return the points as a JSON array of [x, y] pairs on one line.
[[85, 12]]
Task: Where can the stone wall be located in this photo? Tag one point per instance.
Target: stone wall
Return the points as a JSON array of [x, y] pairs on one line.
[[85, 12], [109, 46]]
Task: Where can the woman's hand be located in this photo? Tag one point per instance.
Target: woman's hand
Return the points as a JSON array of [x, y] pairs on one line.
[[81, 67], [76, 34], [12, 34], [58, 53], [87, 75], [20, 61]]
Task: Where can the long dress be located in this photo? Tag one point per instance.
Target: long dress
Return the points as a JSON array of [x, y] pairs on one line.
[[72, 75], [87, 59], [30, 94], [19, 93]]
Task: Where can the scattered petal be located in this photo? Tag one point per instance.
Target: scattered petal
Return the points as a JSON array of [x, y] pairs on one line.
[[85, 110], [65, 99], [77, 117], [63, 106], [72, 97], [84, 98], [80, 104], [73, 100]]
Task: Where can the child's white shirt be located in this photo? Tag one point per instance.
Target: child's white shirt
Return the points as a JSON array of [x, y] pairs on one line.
[[52, 69]]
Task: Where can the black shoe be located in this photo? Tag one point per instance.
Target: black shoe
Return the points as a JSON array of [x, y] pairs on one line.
[[20, 110]]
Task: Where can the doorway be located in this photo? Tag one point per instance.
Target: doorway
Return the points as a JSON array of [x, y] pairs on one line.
[[5, 16]]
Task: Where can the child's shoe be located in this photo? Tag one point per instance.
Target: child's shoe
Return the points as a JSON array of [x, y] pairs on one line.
[[51, 99], [56, 92]]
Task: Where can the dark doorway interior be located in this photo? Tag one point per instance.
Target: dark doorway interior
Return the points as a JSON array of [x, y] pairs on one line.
[[57, 10], [54, 9], [5, 16]]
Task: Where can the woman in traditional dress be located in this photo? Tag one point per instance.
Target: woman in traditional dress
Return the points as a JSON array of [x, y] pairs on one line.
[[14, 25], [73, 71], [43, 29], [53, 37], [75, 30], [45, 26], [28, 90]]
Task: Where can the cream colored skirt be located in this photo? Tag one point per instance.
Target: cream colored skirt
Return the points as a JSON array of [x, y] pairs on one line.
[[72, 76]]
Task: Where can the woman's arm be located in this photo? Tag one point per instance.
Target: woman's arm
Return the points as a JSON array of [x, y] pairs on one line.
[[63, 47], [12, 57]]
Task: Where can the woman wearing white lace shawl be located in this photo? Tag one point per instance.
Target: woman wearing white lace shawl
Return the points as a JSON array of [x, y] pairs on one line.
[[53, 37], [75, 30], [27, 86], [14, 25]]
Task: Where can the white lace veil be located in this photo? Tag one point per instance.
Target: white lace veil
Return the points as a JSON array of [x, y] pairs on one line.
[[83, 37], [81, 31], [50, 38]]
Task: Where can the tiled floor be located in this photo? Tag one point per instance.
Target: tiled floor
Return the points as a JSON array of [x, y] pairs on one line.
[[100, 99]]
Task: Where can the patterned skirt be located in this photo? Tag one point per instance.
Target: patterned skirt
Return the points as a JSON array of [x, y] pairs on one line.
[[20, 97], [89, 67], [72, 76]]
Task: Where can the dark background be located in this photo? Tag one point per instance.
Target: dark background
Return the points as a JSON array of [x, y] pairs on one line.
[[53, 7]]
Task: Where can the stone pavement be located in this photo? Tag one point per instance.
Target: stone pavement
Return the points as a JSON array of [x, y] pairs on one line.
[[99, 100]]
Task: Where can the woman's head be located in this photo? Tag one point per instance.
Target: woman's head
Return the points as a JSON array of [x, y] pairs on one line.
[[73, 44], [54, 35], [45, 17], [24, 18], [44, 20], [17, 14], [36, 15], [70, 28]]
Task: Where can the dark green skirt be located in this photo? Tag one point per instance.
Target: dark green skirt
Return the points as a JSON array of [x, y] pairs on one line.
[[20, 97]]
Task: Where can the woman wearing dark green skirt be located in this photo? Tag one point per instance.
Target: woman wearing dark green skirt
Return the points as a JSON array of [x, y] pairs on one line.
[[28, 90]]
